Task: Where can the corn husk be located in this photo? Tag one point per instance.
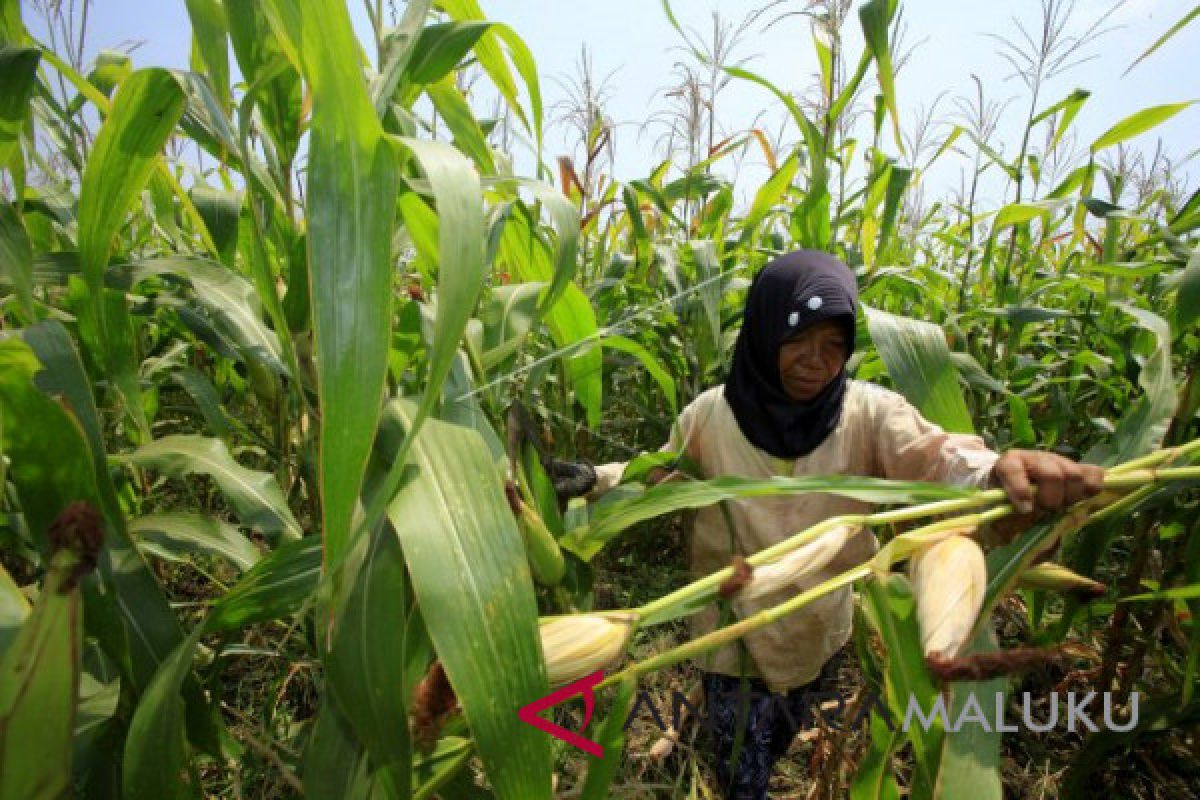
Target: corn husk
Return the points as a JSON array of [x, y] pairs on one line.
[[949, 579], [1057, 578], [576, 645], [801, 563], [546, 560]]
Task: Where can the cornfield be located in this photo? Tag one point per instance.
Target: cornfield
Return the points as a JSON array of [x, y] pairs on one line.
[[280, 358]]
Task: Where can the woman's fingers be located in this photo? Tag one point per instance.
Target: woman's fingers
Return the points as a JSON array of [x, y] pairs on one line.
[[1047, 481]]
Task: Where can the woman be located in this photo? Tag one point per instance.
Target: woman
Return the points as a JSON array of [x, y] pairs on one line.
[[788, 408]]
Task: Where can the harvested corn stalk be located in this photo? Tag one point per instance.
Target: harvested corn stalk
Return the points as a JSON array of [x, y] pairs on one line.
[[575, 645], [949, 579]]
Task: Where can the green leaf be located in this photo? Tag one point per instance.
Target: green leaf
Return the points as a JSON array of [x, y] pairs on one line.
[[892, 613], [1189, 592], [439, 49], [350, 168], [220, 210], [920, 363], [255, 496], [1018, 213], [209, 32], [16, 258], [970, 764], [1160, 41], [379, 652], [466, 560], [876, 18], [452, 107], [18, 76], [1070, 107], [39, 680], [612, 514], [439, 768], [52, 466], [14, 608], [278, 585], [1138, 123], [231, 301], [1187, 300], [156, 746], [174, 534], [205, 396], [770, 193], [1144, 424], [491, 59], [507, 317], [652, 365], [147, 108], [611, 736]]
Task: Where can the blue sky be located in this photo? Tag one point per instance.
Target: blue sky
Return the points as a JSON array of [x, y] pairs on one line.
[[632, 42]]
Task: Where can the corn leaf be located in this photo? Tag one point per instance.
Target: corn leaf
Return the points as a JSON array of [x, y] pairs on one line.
[[352, 176], [610, 734], [146, 110], [278, 585], [919, 362], [970, 763], [173, 535], [379, 652], [16, 258], [18, 75], [612, 514], [255, 496], [471, 577], [156, 747], [135, 625], [1138, 123], [891, 610], [39, 680], [14, 608]]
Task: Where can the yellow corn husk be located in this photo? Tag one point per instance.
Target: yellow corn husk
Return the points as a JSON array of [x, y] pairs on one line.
[[575, 645], [1057, 578], [798, 564], [949, 579]]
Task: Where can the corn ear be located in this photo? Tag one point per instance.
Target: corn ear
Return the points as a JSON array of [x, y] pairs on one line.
[[949, 579], [575, 645], [1057, 578], [546, 560], [798, 564]]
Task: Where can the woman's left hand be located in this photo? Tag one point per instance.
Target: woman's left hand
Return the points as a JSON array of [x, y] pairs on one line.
[[1059, 481]]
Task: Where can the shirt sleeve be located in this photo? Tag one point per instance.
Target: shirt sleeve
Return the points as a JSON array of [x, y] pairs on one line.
[[682, 439], [910, 447]]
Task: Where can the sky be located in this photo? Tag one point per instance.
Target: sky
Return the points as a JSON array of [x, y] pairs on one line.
[[634, 49]]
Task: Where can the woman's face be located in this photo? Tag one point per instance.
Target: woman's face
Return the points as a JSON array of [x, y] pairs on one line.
[[811, 359]]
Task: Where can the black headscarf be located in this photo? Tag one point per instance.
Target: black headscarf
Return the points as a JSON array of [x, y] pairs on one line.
[[789, 294]]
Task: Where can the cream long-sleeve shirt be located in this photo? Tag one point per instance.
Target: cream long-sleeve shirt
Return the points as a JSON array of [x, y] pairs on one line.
[[880, 434]]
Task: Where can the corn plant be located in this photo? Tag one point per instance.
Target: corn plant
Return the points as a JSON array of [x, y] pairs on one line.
[[274, 416]]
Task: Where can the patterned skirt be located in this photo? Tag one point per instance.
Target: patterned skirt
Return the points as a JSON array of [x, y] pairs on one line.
[[767, 720]]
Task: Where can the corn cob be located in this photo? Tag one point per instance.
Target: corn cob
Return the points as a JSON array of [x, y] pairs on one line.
[[575, 645], [949, 579]]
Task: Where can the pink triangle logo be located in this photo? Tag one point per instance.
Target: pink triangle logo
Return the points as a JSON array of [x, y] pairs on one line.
[[583, 686]]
